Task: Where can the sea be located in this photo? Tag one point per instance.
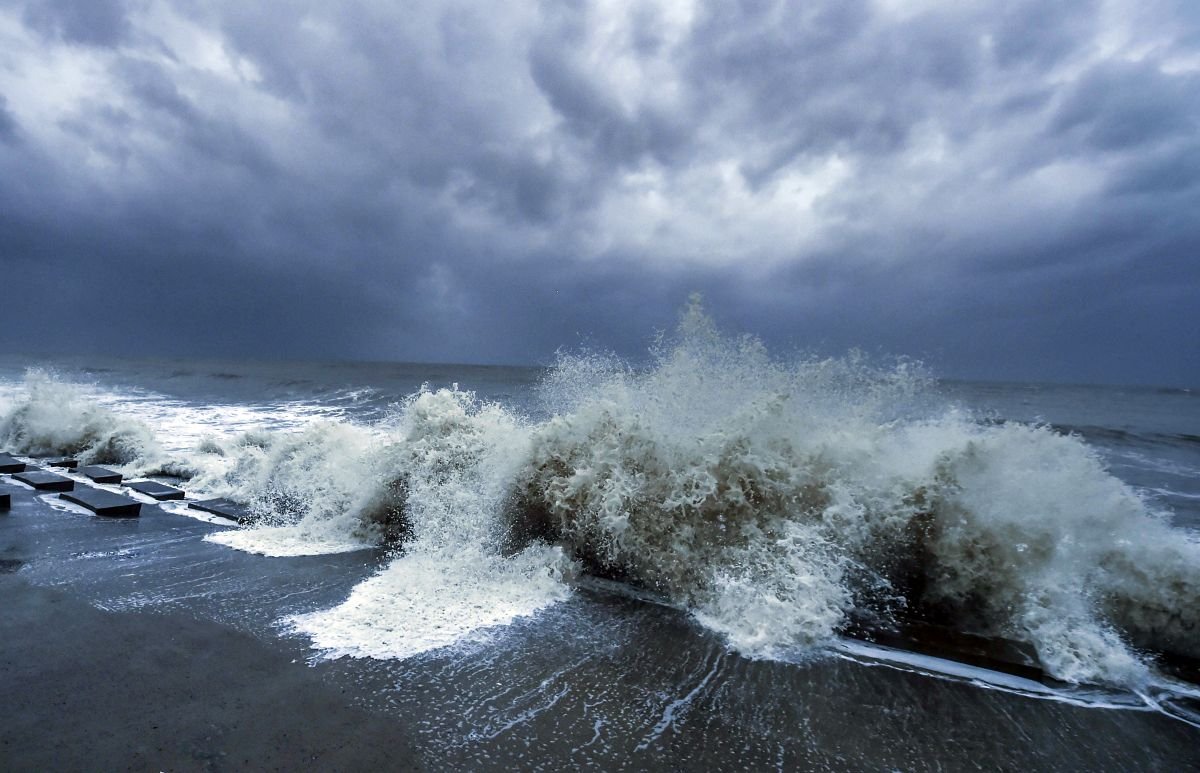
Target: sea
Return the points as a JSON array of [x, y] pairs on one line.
[[669, 563]]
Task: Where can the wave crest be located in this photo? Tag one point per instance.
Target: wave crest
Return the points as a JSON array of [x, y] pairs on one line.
[[55, 417]]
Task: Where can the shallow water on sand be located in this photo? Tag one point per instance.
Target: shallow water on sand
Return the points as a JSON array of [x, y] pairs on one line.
[[605, 679]]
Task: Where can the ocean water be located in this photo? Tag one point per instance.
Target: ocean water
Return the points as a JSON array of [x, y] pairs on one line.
[[602, 560]]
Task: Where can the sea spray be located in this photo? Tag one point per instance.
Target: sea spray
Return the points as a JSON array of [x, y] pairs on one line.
[[780, 501], [455, 580], [322, 488], [54, 417], [745, 488]]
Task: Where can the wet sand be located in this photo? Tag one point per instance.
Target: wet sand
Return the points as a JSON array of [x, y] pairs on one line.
[[134, 644], [91, 690]]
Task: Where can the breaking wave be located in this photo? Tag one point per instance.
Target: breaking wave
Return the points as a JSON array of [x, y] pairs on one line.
[[781, 501], [49, 417]]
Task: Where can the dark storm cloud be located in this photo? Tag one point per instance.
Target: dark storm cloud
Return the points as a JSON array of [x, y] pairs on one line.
[[1007, 188], [87, 22], [1129, 105]]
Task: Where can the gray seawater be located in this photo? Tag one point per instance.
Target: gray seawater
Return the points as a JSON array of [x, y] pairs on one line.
[[611, 676]]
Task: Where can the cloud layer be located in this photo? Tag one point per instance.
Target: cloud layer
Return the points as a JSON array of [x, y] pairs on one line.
[[1007, 189]]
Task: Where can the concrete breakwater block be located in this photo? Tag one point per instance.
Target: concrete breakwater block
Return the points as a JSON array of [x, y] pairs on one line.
[[155, 489], [224, 508], [45, 481], [9, 465], [5, 501], [63, 463], [104, 502], [100, 474]]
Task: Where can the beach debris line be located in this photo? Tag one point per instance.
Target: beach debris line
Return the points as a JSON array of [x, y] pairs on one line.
[[44, 481], [104, 502], [159, 491], [100, 474]]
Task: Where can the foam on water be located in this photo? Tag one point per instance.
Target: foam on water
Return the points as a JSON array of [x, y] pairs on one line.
[[778, 500], [454, 459], [47, 416], [293, 540], [426, 601]]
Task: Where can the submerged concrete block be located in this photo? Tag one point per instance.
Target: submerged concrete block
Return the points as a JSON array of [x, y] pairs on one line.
[[154, 489], [100, 474], [65, 463], [104, 502], [45, 481], [222, 507], [9, 465]]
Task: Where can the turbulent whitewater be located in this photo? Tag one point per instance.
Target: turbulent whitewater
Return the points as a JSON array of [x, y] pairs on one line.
[[780, 501]]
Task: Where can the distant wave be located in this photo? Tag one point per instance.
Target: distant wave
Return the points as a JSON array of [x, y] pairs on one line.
[[1112, 434], [780, 501]]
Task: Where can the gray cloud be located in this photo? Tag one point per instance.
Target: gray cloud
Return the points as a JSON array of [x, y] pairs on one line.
[[1007, 189], [86, 22], [1128, 106], [8, 124]]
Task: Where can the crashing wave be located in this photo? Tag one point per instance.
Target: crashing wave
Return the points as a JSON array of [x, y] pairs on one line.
[[54, 417], [782, 502]]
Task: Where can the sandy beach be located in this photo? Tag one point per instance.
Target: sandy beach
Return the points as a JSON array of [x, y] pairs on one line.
[[93, 690]]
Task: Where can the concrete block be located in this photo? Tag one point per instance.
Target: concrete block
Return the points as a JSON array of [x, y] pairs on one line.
[[9, 465], [100, 474], [64, 463], [154, 489], [224, 508], [45, 481], [104, 502], [5, 501]]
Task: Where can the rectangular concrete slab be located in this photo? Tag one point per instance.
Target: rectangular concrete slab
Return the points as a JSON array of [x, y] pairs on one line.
[[155, 489], [45, 481], [222, 507], [5, 501], [100, 474], [104, 502], [9, 465], [64, 463]]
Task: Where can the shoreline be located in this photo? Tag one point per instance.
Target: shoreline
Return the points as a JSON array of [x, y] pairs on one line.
[[136, 644]]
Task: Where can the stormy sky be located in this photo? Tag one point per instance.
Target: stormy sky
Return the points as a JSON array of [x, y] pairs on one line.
[[1004, 188]]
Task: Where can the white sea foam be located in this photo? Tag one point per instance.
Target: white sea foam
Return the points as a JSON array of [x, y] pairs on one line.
[[457, 459], [777, 500], [306, 539], [426, 601], [48, 416]]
